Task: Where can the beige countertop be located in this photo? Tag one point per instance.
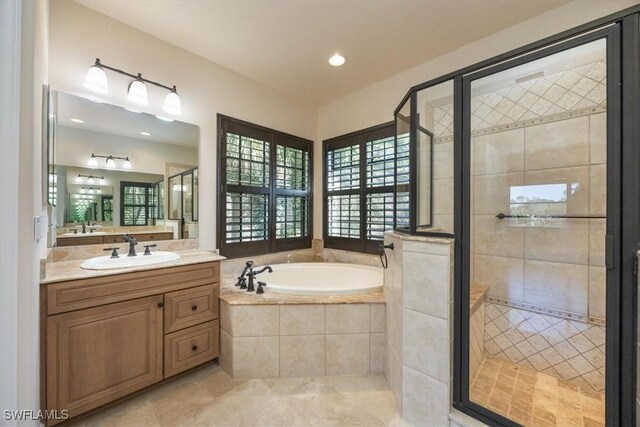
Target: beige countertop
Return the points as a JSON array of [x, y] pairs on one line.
[[70, 270]]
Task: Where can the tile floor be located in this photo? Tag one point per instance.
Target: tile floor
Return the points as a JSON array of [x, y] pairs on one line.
[[209, 397], [533, 398]]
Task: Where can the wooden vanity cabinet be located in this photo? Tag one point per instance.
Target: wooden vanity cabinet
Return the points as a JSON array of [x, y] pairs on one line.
[[107, 337]]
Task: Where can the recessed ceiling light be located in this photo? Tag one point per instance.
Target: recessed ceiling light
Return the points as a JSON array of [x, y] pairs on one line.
[[337, 60], [77, 121], [164, 119], [145, 133]]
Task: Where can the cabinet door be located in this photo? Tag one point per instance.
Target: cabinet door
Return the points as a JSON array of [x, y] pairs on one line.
[[99, 354]]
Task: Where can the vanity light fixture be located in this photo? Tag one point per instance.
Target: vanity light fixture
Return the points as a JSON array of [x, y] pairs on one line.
[[96, 81], [337, 60], [90, 179], [137, 91], [110, 161]]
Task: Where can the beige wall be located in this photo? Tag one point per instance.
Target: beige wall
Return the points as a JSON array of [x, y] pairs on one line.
[[375, 104], [74, 145], [79, 35]]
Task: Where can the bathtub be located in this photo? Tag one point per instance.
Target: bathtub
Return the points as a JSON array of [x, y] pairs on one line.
[[322, 278]]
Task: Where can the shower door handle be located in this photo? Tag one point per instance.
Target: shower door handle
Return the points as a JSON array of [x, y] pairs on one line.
[[609, 251]]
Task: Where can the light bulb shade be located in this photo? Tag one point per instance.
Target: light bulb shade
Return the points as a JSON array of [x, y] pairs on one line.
[[102, 181], [96, 80], [90, 180], [99, 191], [111, 163], [137, 92], [126, 164], [91, 191], [172, 104], [82, 190], [78, 179], [92, 162]]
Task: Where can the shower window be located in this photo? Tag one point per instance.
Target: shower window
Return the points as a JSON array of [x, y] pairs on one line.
[[360, 203], [266, 184]]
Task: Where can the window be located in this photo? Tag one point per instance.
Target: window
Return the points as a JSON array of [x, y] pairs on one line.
[[107, 208], [360, 172], [265, 184], [137, 203]]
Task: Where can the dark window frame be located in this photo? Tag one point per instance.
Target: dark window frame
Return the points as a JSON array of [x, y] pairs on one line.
[[275, 138], [146, 205], [359, 138]]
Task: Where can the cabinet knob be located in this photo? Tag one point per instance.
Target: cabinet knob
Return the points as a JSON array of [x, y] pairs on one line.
[[161, 304], [194, 307], [194, 347]]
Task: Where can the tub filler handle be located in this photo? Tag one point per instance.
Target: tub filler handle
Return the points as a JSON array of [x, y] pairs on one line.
[[382, 250]]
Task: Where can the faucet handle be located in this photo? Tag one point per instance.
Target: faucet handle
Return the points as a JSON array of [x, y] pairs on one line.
[[114, 254], [147, 251], [260, 290]]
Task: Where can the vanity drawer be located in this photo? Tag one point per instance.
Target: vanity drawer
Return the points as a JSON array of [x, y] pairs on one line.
[[92, 292], [191, 347], [75, 241], [112, 239], [190, 307], [148, 237]]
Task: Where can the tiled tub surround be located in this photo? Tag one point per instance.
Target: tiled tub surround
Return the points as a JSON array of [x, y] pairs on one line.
[[286, 339], [419, 348]]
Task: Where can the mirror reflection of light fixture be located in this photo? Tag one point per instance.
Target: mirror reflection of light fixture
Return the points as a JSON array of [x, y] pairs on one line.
[[92, 162], [127, 163], [96, 81], [137, 92], [110, 162], [90, 179]]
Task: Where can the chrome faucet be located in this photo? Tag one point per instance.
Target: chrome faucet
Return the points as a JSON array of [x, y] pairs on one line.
[[132, 244], [84, 228], [252, 274]]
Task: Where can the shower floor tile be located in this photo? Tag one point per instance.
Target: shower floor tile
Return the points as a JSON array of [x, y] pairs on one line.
[[534, 398]]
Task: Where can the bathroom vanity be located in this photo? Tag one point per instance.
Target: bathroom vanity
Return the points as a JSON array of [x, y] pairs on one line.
[[106, 334]]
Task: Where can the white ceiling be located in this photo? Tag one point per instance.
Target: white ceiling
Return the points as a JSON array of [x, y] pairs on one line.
[[286, 44], [110, 119]]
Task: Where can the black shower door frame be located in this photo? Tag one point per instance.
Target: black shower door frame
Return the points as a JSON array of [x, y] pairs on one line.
[[622, 35]]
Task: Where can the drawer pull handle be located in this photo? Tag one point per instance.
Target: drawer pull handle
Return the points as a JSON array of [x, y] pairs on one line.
[[194, 307], [160, 304], [194, 347]]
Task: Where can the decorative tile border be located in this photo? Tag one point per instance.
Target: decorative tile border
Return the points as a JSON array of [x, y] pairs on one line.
[[568, 349], [548, 311]]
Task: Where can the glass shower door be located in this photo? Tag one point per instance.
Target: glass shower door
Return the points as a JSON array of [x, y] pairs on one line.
[[537, 142]]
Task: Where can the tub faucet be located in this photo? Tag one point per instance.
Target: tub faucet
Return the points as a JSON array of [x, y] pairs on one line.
[[242, 281], [132, 244], [252, 274]]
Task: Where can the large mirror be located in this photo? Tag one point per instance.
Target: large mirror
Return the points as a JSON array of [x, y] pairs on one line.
[[118, 171]]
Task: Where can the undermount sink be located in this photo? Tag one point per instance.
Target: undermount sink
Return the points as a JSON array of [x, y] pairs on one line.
[[88, 233], [107, 263]]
